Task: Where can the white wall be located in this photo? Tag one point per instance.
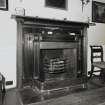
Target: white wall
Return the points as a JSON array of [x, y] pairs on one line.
[[37, 8], [8, 44], [96, 34], [8, 29]]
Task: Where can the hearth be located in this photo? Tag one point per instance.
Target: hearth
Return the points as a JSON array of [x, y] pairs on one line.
[[51, 54]]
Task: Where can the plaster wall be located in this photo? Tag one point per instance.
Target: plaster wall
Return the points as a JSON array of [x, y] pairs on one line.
[[8, 26]]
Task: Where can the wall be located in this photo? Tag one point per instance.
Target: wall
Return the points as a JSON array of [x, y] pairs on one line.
[[8, 29], [96, 33], [8, 44], [37, 8]]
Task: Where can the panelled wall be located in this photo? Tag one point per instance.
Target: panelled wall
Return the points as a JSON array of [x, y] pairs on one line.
[[8, 32]]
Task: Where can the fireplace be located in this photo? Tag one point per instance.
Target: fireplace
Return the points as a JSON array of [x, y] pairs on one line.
[[51, 54], [58, 61]]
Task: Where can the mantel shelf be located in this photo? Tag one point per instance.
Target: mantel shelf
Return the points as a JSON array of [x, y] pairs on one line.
[[48, 20]]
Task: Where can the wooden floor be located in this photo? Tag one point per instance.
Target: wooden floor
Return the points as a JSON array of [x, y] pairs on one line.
[[11, 98], [92, 96]]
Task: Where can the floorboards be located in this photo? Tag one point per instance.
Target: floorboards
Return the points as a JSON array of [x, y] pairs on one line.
[[94, 95]]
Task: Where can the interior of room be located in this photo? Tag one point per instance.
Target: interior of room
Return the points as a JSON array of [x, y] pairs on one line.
[[46, 52]]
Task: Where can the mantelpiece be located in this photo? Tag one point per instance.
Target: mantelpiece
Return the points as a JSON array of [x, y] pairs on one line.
[[51, 54]]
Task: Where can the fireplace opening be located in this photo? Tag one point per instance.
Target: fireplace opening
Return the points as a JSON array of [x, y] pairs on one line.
[[58, 63], [53, 61]]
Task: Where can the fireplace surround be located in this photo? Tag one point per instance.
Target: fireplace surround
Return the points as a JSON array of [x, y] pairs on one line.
[[51, 54]]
